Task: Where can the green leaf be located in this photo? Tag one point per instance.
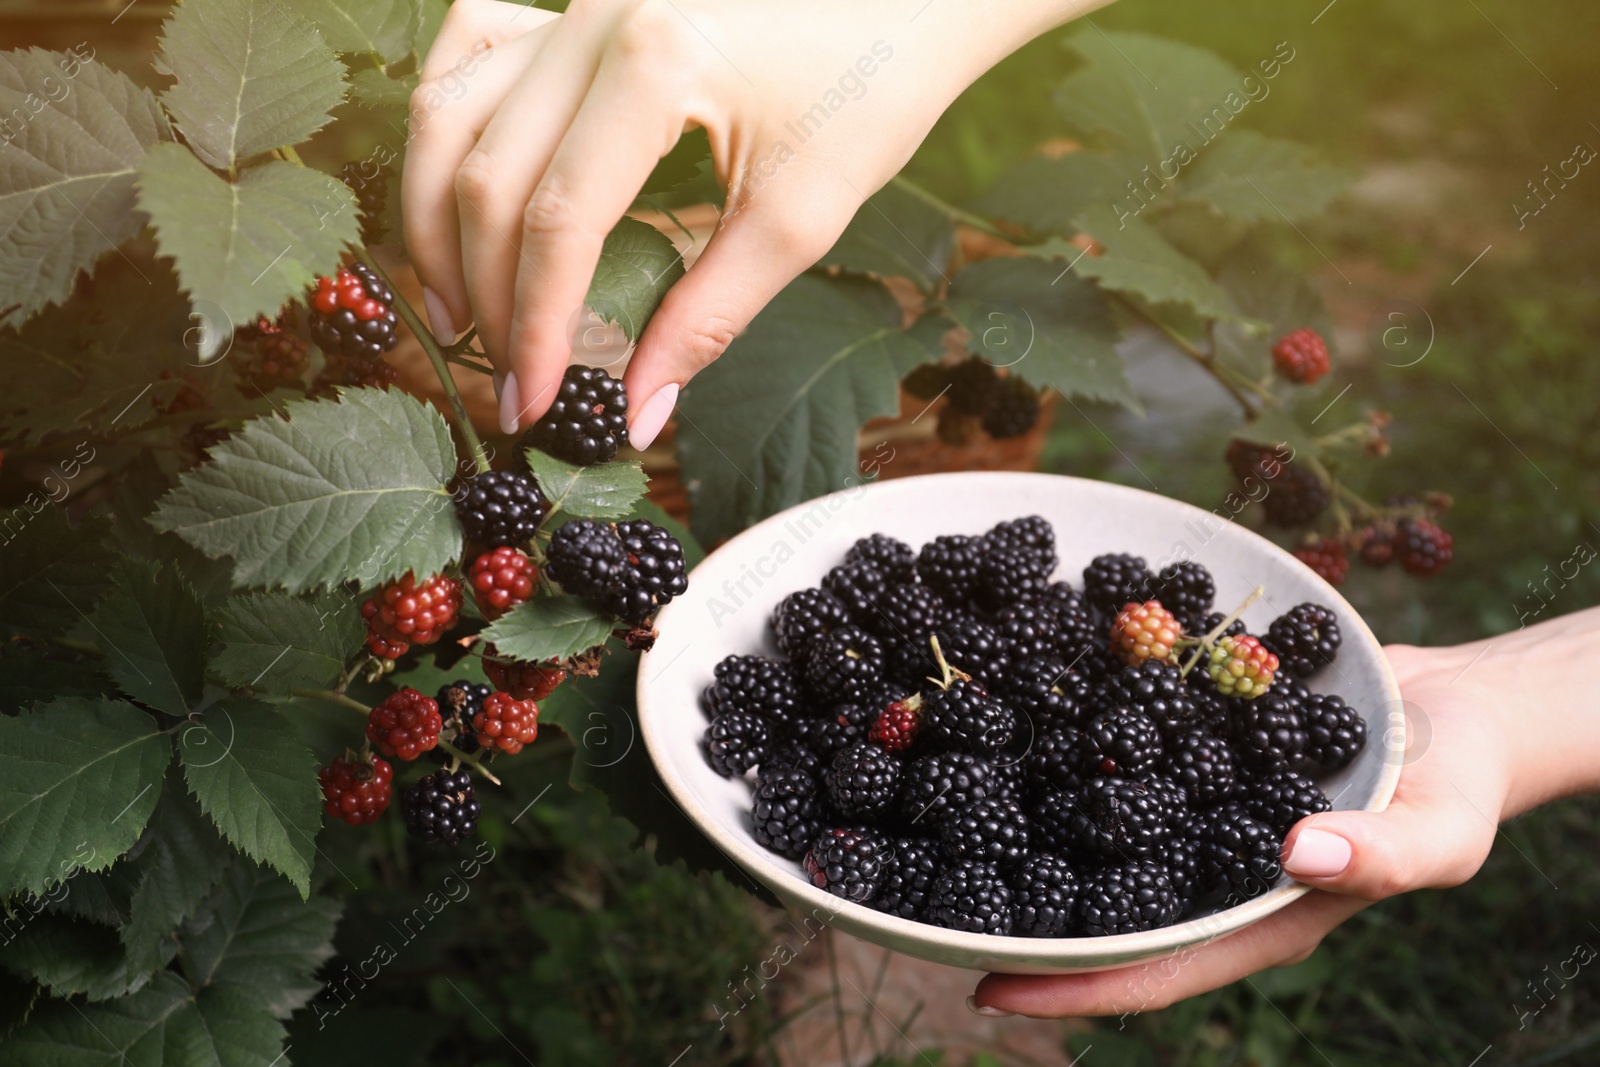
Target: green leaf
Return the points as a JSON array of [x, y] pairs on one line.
[[82, 777], [896, 234], [250, 246], [274, 643], [775, 422], [1137, 259], [384, 27], [375, 89], [549, 627], [1037, 317], [51, 572], [182, 859], [67, 174], [256, 934], [163, 1025], [151, 628], [28, 676], [103, 897], [352, 488], [258, 783], [601, 491], [1043, 195], [251, 76], [1252, 177], [74, 957], [638, 264], [17, 998], [1151, 96]]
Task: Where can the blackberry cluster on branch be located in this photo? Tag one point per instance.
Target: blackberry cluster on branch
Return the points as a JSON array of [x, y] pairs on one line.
[[587, 421]]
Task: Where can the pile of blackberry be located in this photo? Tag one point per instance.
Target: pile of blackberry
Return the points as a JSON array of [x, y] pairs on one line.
[[957, 736]]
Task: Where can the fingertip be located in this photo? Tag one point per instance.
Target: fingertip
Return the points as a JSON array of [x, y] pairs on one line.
[[987, 1009], [1311, 852], [652, 416], [440, 321]]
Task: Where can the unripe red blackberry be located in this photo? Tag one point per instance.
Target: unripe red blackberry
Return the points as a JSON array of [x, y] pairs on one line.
[[1143, 632], [1241, 667], [506, 723], [1326, 556], [356, 791], [405, 725], [519, 679], [352, 314], [407, 612], [1301, 356], [501, 580]]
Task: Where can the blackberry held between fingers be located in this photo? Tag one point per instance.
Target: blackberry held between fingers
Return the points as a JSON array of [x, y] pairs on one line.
[[1114, 580], [1013, 409], [909, 878], [587, 558], [973, 896], [352, 314], [993, 829], [891, 557], [441, 808], [949, 566], [501, 508], [1239, 854], [1120, 743], [735, 742], [863, 781], [1045, 895], [587, 421], [1304, 638], [936, 786], [802, 617], [1126, 899], [849, 862], [1117, 819], [758, 684], [654, 574], [1335, 732], [785, 812], [1282, 798], [844, 665]]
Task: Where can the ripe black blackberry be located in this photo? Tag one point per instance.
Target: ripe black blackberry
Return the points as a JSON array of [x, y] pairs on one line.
[[1304, 638], [1005, 577], [893, 558], [1121, 742], [1034, 687], [1032, 535], [966, 718], [735, 742], [587, 421], [370, 183], [1053, 760], [785, 813], [1186, 589], [1045, 895], [1159, 691], [1268, 731], [863, 781], [937, 785], [859, 586], [1213, 620], [1114, 579], [909, 877], [1239, 854], [655, 571], [1283, 798], [1013, 409], [1127, 898], [1027, 631], [1117, 819], [441, 808], [905, 617], [501, 508], [792, 754], [826, 734], [1423, 547], [844, 665], [1203, 765], [759, 684], [949, 566], [1335, 732], [1010, 781], [587, 558], [460, 701], [352, 315], [1171, 794], [972, 896], [972, 383], [1180, 855], [849, 862], [1296, 498], [974, 646], [992, 829], [802, 617]]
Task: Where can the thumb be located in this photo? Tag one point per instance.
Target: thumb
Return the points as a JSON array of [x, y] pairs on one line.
[[1431, 841], [752, 256]]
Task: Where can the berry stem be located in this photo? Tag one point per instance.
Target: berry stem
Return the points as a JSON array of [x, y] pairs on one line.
[[331, 697], [469, 760], [436, 356], [1219, 629]]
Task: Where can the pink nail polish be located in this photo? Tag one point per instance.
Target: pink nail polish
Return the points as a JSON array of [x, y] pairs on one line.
[[652, 416], [1317, 854], [438, 316], [510, 404], [985, 1009]]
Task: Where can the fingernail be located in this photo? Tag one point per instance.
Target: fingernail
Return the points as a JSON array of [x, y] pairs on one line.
[[438, 316], [985, 1009], [652, 417], [499, 385], [1317, 854], [510, 404]]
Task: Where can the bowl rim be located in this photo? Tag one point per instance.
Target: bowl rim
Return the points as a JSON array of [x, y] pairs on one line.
[[1065, 953]]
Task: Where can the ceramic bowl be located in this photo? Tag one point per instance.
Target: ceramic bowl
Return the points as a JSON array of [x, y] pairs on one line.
[[732, 593]]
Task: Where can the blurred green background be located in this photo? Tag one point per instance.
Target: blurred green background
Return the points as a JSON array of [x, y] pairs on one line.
[[585, 951]]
